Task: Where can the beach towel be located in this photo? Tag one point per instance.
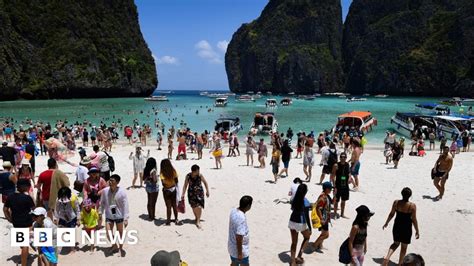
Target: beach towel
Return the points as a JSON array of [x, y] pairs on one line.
[[58, 180]]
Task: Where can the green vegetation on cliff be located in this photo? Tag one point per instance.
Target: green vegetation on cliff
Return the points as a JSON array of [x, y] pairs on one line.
[[294, 46], [67, 48]]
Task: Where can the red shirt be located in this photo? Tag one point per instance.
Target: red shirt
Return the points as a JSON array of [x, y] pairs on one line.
[[44, 179]]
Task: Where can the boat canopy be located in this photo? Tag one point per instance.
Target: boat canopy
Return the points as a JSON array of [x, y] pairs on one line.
[[357, 114]]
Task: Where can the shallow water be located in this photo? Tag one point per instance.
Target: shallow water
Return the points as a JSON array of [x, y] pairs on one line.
[[303, 115]]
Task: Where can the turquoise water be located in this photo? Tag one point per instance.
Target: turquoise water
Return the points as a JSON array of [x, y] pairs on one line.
[[303, 115]]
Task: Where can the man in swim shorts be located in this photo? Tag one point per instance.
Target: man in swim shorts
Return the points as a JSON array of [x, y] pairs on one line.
[[440, 172], [355, 163]]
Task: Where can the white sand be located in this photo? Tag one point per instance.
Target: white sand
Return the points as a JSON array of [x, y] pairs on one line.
[[446, 226]]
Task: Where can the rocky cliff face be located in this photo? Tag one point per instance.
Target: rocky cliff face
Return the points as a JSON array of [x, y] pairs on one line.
[[68, 48], [294, 46], [410, 47]]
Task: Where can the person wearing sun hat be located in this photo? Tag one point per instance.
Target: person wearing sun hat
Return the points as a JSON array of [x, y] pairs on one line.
[[47, 255], [358, 235]]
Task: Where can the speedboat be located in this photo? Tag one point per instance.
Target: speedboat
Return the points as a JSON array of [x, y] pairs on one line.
[[220, 102], [336, 94], [409, 122], [245, 98], [455, 101], [264, 123], [366, 94], [431, 109], [286, 102], [356, 99], [271, 103], [160, 98], [453, 125], [381, 96], [306, 97], [355, 120], [258, 95], [230, 124], [204, 93]]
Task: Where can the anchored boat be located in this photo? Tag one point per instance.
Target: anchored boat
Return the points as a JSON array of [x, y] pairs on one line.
[[230, 124], [264, 123], [356, 119]]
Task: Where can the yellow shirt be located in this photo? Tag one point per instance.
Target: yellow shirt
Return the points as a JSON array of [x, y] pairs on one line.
[[89, 219], [169, 182]]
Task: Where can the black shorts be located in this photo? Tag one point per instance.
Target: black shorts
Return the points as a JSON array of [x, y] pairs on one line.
[[93, 138], [324, 227], [437, 174], [342, 193], [326, 169], [114, 221]]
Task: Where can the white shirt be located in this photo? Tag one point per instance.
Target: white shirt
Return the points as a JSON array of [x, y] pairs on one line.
[[117, 201], [81, 173], [238, 226]]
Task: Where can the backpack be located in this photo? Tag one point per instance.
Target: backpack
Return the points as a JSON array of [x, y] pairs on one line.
[[111, 162], [332, 158]]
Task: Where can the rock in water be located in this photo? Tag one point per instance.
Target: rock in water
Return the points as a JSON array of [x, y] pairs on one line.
[[294, 46], [410, 47], [69, 48]]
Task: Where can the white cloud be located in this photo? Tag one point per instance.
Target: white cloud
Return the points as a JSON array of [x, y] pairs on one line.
[[166, 60], [205, 51], [222, 45]]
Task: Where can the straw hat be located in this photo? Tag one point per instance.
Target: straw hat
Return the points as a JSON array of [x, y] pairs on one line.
[[25, 162], [7, 164], [86, 160]]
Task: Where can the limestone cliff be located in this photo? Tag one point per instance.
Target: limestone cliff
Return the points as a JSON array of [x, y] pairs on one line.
[[294, 46], [73, 48]]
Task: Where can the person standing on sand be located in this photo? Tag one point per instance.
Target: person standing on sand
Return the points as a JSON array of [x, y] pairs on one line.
[[216, 151], [200, 144], [323, 209], [440, 172], [138, 164], [275, 162], [355, 163], [396, 154], [169, 180], [402, 228], [308, 161], [358, 235], [262, 153], [151, 186], [286, 151], [299, 222], [114, 203], [170, 147], [238, 241], [339, 177], [193, 184], [328, 160], [250, 149], [181, 147], [17, 210]]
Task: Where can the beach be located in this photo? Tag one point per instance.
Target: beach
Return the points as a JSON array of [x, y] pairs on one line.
[[446, 235]]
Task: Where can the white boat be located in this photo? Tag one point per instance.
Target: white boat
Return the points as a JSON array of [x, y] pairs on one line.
[[355, 120], [381, 96], [230, 124], [356, 99], [366, 94], [431, 109], [306, 97], [216, 95], [408, 122], [258, 95], [291, 93], [271, 103], [160, 98], [204, 93], [245, 98], [342, 96], [452, 125], [336, 94], [220, 102], [286, 101], [264, 123]]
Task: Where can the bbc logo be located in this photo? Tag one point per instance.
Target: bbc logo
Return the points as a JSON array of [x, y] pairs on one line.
[[66, 237], [43, 237]]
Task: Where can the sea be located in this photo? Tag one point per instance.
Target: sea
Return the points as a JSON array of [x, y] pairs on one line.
[[190, 109]]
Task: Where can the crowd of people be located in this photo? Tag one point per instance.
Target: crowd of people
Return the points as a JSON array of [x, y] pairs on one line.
[[95, 200]]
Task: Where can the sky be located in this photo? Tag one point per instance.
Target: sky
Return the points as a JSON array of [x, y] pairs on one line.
[[188, 38]]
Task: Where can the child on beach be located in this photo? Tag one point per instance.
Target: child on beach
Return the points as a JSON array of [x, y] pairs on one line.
[[67, 211], [421, 148], [453, 148], [387, 153], [89, 218], [217, 151], [170, 147]]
